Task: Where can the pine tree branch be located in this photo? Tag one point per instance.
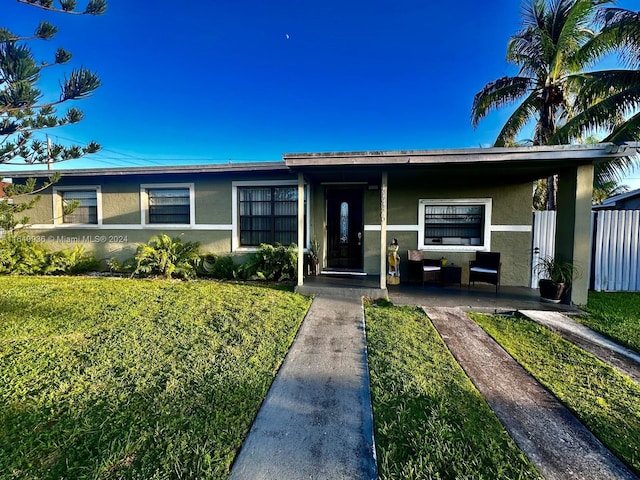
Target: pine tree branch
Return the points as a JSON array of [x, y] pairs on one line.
[[34, 107], [94, 7], [80, 84]]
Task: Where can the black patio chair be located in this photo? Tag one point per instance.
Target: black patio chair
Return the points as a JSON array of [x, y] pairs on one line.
[[485, 268], [424, 268]]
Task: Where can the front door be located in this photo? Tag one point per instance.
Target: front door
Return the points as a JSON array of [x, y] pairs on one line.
[[344, 228]]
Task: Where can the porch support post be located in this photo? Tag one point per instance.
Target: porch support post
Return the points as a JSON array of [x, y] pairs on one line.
[[300, 229], [383, 231], [573, 225]]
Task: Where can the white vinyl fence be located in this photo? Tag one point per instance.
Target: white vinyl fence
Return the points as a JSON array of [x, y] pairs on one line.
[[544, 240], [615, 258], [616, 261]]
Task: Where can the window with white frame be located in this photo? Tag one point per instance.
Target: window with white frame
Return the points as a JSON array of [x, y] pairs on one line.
[[461, 224], [77, 205], [169, 204]]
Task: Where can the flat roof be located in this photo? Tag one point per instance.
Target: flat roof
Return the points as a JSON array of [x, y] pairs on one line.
[[272, 166], [535, 159], [587, 153]]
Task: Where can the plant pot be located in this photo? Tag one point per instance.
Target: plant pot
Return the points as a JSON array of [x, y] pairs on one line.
[[550, 291]]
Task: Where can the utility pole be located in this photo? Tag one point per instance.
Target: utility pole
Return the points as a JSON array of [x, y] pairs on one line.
[[49, 162]]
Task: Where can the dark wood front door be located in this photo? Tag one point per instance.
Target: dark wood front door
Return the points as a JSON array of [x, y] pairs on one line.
[[345, 229]]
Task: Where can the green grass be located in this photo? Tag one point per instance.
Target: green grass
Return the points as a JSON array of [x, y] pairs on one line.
[[606, 402], [616, 315], [105, 378], [430, 422]]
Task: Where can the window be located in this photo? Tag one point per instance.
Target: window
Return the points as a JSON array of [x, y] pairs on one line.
[[86, 210], [344, 223], [77, 205], [167, 204], [455, 224], [268, 214]]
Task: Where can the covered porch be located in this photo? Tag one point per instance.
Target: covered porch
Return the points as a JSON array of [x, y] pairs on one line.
[[481, 297], [474, 175]]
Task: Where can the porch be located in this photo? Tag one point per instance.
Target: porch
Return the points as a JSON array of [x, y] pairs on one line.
[[358, 201], [478, 298]]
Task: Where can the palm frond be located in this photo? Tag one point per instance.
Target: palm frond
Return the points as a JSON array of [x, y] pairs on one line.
[[621, 29], [605, 100], [626, 132], [615, 169], [597, 85], [525, 50], [498, 93], [575, 30], [527, 110], [619, 33]]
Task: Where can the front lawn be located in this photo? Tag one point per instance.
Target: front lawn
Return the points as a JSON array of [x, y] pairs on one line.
[[605, 401], [429, 420], [108, 378], [616, 315]]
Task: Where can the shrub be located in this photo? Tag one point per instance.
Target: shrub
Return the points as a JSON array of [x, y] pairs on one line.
[[128, 266], [222, 268], [19, 255], [167, 257], [276, 263], [71, 261]]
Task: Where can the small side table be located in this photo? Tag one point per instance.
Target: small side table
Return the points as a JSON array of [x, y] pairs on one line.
[[451, 274]]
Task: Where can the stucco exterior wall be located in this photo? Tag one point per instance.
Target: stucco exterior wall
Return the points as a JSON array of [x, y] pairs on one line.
[[120, 202], [510, 223], [107, 243], [121, 230]]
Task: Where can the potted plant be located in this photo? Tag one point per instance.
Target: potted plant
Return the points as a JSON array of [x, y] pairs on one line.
[[556, 277], [314, 256]]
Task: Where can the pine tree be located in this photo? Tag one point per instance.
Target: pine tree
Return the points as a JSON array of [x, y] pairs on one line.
[[23, 109]]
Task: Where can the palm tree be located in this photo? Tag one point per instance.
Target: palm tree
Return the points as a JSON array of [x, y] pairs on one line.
[[607, 190], [609, 100], [558, 40]]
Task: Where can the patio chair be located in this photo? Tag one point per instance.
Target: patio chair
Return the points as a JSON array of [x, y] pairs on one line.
[[485, 268], [426, 269]]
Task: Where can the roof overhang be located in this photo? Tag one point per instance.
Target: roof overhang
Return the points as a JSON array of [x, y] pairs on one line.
[[513, 163], [245, 167]]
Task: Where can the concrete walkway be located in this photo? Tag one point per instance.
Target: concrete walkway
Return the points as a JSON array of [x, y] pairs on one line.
[[316, 421], [623, 359], [557, 444]]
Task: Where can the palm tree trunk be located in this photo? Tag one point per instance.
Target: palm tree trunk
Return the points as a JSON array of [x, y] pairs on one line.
[[547, 127], [552, 192]]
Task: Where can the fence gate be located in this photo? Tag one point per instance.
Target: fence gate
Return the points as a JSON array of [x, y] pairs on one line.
[[616, 259], [544, 240]]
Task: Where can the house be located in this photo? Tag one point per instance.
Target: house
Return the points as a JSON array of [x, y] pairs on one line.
[[624, 201], [354, 204]]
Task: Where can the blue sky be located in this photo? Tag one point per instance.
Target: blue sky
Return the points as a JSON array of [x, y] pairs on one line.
[[213, 81]]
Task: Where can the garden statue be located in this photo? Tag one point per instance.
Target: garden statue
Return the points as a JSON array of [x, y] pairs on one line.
[[393, 272]]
